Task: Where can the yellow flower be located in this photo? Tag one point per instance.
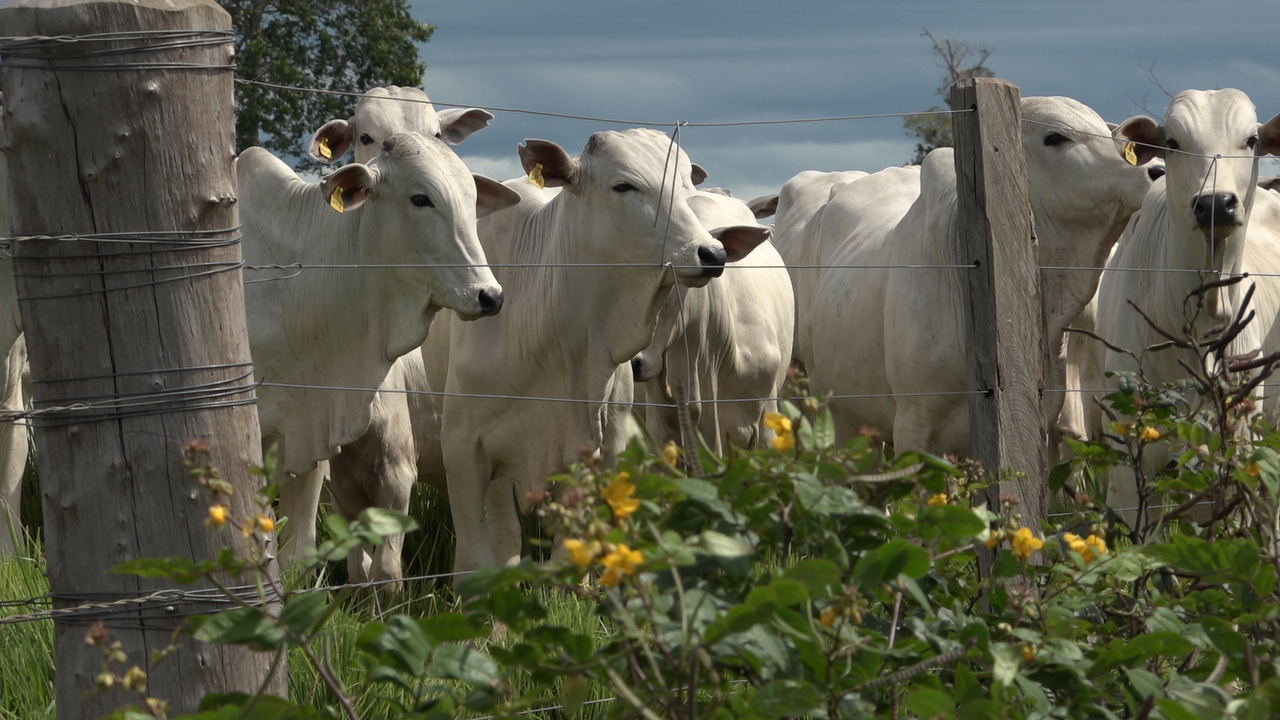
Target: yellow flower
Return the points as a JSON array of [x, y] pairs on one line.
[[1028, 652], [1253, 469], [258, 522], [781, 425], [784, 442], [1097, 544], [1025, 543], [1150, 434], [217, 515], [620, 494], [938, 500], [670, 453], [1123, 429], [993, 539], [777, 422], [1088, 548], [622, 561], [135, 679], [580, 552], [829, 616]]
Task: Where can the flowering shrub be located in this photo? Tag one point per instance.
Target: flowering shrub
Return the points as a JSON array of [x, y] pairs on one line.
[[809, 580]]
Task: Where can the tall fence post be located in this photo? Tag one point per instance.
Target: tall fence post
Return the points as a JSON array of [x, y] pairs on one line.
[[1006, 341], [120, 124]]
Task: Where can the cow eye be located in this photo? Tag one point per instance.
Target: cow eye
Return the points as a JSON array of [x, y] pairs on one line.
[[1054, 139], [624, 187], [1252, 142], [1172, 144], [422, 201], [366, 139]]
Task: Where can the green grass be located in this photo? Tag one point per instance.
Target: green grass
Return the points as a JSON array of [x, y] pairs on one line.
[[26, 663]]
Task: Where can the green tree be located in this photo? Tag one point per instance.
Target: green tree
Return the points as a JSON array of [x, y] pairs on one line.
[[336, 45], [959, 59]]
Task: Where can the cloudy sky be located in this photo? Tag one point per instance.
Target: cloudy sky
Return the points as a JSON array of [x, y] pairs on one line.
[[714, 61]]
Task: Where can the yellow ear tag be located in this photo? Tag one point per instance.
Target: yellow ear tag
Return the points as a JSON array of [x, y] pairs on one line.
[[324, 149], [335, 200], [1131, 154], [535, 176]]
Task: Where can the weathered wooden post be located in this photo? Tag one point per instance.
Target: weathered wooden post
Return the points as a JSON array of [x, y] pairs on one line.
[[120, 123], [1006, 346]]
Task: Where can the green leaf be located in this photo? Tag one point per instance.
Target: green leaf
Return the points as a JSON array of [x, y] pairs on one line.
[[952, 521], [817, 574], [1008, 658], [178, 569], [787, 698], [302, 612], [242, 626], [929, 703], [375, 524], [720, 545], [789, 593], [461, 662], [451, 628]]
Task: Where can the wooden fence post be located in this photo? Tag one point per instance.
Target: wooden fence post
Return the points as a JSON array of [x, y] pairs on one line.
[[1006, 341], [136, 326]]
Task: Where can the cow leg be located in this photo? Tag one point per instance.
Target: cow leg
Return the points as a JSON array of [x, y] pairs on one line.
[[505, 534], [13, 451], [300, 502], [468, 476]]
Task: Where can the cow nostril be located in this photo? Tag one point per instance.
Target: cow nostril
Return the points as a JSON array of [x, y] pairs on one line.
[[490, 302], [1155, 172], [711, 256], [637, 367]]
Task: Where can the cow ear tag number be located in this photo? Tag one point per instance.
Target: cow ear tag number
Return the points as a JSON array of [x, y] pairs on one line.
[[535, 176], [1131, 154], [335, 200], [325, 151]]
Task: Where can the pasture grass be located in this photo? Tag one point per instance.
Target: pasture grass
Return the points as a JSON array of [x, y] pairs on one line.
[[27, 661]]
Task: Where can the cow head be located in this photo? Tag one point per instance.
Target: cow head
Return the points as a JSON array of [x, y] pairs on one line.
[[420, 206], [385, 111], [1210, 141], [633, 191]]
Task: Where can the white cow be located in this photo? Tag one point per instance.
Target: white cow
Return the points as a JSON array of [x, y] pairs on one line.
[[13, 435], [378, 469], [906, 323], [585, 275], [1208, 216], [385, 111], [402, 444], [415, 205], [799, 214], [728, 344]]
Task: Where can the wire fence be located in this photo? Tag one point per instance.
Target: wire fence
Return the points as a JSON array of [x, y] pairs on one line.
[[22, 52]]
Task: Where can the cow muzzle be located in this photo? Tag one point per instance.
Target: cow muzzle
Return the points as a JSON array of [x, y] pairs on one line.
[[711, 258], [1217, 212]]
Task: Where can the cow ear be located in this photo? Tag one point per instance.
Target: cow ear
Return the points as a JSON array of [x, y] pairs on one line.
[[549, 161], [763, 207], [457, 124], [1269, 137], [698, 175], [492, 196], [740, 240], [349, 186], [332, 141], [1146, 136]]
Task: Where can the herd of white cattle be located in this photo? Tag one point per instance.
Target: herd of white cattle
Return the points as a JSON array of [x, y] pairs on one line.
[[596, 287]]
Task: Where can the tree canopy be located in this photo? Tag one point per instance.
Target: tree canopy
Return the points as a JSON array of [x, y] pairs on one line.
[[334, 45], [958, 59]]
